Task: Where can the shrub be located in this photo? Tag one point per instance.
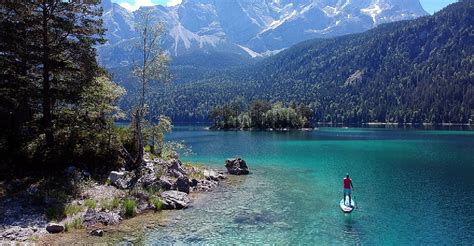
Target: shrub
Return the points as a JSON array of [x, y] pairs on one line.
[[75, 224], [90, 203], [129, 205], [71, 209], [157, 203]]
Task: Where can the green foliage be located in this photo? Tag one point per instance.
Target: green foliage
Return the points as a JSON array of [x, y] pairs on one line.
[[194, 170], [157, 203], [58, 105], [110, 204], [74, 224], [130, 207], [90, 203], [261, 115], [406, 72], [171, 147], [71, 209]]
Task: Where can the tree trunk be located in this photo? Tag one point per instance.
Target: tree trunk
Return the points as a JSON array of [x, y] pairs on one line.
[[47, 115], [138, 128]]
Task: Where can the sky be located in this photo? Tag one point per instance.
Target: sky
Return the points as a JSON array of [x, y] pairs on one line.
[[430, 6]]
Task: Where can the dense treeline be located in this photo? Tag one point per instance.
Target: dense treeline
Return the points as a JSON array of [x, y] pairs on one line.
[[260, 115], [57, 105], [417, 71], [48, 74]]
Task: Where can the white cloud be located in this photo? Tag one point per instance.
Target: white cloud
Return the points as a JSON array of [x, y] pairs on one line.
[[173, 2], [139, 3]]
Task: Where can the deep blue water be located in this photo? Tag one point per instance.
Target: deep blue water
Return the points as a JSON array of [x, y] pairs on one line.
[[411, 187]]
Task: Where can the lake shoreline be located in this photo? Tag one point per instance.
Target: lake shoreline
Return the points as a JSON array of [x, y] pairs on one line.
[[100, 208]]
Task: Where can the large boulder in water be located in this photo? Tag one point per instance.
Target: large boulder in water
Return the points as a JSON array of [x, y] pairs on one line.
[[173, 199], [236, 166]]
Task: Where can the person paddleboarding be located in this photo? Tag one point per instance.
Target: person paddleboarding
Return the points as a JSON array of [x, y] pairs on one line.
[[348, 186]]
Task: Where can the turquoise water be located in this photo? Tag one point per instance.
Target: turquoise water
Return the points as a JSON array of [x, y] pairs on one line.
[[411, 187]]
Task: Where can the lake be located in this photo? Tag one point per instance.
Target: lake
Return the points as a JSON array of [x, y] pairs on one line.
[[411, 187]]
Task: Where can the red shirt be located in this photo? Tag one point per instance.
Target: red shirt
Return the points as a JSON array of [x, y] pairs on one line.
[[347, 183]]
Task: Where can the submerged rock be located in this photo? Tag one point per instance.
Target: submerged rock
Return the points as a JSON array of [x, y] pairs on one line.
[[173, 199], [54, 228], [236, 166], [206, 185]]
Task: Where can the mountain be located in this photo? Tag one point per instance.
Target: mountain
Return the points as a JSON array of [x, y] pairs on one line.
[[408, 72], [242, 29]]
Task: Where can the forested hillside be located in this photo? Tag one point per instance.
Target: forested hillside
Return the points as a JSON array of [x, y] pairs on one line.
[[408, 72]]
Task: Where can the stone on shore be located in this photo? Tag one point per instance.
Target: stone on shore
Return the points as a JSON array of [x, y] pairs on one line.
[[165, 183], [120, 179], [175, 168], [173, 199], [183, 184], [97, 233], [236, 166], [54, 228], [92, 217]]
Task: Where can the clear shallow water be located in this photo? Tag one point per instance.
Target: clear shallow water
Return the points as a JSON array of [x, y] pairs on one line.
[[411, 187]]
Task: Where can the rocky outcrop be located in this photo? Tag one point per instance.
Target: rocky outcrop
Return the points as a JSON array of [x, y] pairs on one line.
[[121, 179], [175, 168], [236, 166], [147, 180], [183, 184], [173, 199], [165, 183], [213, 175], [92, 217], [54, 228]]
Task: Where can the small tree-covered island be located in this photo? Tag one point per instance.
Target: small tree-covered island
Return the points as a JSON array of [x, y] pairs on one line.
[[111, 116], [261, 115]]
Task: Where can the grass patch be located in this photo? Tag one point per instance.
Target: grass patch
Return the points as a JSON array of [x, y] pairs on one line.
[[110, 204], [130, 207], [90, 203], [71, 209], [157, 203], [74, 224]]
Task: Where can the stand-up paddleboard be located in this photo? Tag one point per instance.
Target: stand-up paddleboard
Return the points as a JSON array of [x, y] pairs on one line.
[[345, 206]]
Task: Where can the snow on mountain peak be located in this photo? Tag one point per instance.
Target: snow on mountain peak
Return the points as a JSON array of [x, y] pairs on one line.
[[256, 27]]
